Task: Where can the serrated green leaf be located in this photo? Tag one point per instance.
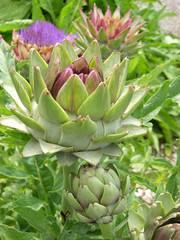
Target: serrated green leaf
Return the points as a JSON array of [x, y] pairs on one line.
[[67, 14], [31, 202], [12, 172], [47, 6], [20, 9], [14, 24], [9, 233], [37, 13], [34, 218]]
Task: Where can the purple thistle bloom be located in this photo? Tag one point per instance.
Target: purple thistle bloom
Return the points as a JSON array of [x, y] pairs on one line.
[[42, 34]]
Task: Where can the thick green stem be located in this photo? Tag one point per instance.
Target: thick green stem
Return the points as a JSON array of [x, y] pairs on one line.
[[48, 209], [106, 231], [66, 185]]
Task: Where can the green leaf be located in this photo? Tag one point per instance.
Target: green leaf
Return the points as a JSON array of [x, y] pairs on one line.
[[20, 9], [37, 13], [174, 90], [97, 104], [46, 5], [30, 202], [6, 62], [152, 75], [12, 172], [145, 182], [50, 109], [34, 218], [68, 14], [155, 103], [137, 98], [9, 233], [14, 24], [72, 94]]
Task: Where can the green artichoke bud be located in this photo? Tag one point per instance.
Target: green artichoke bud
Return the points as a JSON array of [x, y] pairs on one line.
[[160, 221], [96, 195], [111, 31], [77, 105]]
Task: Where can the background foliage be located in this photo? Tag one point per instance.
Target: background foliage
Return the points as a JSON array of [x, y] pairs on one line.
[[30, 192]]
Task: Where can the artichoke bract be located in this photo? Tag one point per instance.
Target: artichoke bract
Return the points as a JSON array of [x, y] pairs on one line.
[[160, 221], [77, 105], [111, 31], [96, 195]]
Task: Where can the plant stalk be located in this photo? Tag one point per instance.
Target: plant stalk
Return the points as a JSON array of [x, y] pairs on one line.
[[47, 208], [66, 185], [106, 231]]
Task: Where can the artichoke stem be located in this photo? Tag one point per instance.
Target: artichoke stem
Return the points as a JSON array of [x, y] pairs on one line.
[[47, 208], [65, 208], [106, 231]]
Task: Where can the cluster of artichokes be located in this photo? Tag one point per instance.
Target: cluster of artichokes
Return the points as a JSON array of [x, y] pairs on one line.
[[79, 106]]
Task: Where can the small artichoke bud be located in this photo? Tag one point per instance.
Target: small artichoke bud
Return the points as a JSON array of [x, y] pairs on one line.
[[96, 195]]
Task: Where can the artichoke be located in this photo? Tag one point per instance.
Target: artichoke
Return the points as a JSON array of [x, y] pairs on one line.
[[76, 105], [96, 194], [40, 35], [160, 221], [111, 31]]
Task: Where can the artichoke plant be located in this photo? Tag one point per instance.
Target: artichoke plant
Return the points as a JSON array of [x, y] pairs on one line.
[[74, 105], [160, 221], [96, 194], [40, 35], [111, 31]]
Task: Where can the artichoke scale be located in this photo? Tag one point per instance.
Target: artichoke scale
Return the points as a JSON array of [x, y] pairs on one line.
[[72, 94]]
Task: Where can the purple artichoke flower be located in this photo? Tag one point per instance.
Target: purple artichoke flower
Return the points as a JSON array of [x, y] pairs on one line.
[[40, 35]]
